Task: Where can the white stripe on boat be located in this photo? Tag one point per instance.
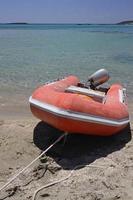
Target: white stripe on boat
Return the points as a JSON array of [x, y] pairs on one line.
[[76, 115]]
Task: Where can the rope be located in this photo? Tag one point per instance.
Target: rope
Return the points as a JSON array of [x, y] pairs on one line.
[[63, 179], [14, 177], [50, 184]]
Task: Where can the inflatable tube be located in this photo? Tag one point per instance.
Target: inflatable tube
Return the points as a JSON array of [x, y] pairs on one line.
[[95, 113]]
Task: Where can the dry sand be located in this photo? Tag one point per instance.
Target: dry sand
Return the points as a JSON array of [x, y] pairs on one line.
[[108, 174]]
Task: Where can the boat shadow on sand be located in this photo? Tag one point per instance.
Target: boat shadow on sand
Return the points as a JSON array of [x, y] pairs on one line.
[[77, 149]]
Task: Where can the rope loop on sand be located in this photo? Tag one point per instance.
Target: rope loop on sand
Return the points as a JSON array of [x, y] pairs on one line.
[[63, 179]]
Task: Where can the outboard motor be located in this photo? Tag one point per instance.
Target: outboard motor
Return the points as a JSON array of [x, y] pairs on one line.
[[98, 78]]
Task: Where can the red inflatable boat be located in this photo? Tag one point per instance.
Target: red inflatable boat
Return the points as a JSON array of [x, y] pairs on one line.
[[67, 106]]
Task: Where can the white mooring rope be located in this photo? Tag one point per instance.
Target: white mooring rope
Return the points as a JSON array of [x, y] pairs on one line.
[[55, 182], [14, 177]]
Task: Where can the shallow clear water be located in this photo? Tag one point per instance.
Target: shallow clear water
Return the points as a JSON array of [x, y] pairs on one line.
[[33, 54]]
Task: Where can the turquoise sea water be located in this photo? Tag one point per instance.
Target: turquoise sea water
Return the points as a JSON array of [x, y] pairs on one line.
[[33, 54]]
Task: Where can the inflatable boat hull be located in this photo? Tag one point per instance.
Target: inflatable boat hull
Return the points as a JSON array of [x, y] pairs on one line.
[[76, 113]]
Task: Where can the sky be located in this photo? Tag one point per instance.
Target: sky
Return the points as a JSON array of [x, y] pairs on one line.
[[66, 11]]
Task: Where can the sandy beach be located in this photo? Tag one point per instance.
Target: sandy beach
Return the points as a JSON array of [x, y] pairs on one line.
[[44, 41], [107, 174]]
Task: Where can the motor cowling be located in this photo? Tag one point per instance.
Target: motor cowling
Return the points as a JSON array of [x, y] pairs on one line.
[[99, 77]]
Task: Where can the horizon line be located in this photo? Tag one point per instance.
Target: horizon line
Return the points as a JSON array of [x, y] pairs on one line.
[[75, 23]]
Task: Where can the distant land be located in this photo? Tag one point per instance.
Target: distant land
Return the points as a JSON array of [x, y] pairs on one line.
[[126, 22], [17, 23]]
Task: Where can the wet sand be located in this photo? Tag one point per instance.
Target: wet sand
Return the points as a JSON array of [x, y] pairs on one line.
[[108, 174]]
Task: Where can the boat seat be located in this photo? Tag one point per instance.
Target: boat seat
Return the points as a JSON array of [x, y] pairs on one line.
[[98, 95]]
